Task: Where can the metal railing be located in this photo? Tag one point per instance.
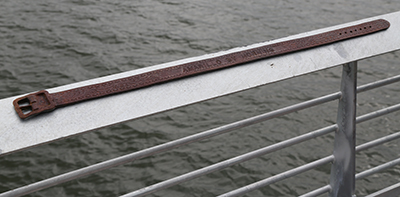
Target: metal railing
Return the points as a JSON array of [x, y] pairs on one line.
[[343, 176], [346, 96]]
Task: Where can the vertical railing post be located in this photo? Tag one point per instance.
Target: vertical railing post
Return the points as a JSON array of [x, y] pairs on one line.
[[342, 179]]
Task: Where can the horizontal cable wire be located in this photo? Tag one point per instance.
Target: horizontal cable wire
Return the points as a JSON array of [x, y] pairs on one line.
[[279, 177], [377, 142], [378, 84], [317, 192], [376, 169], [232, 161], [183, 141], [392, 190], [378, 113]]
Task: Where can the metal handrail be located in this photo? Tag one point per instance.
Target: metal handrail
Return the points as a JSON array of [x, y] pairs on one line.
[[217, 131], [167, 146]]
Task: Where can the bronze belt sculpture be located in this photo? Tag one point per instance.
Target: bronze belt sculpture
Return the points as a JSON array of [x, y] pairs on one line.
[[42, 101]]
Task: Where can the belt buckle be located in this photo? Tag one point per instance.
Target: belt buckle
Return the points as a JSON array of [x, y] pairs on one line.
[[33, 104]]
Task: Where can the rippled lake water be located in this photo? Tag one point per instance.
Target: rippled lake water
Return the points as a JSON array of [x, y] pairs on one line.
[[45, 44]]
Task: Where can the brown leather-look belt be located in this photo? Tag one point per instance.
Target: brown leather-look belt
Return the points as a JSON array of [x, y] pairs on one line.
[[42, 101]]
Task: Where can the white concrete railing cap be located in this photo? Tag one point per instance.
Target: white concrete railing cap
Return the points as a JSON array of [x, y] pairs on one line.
[[16, 134]]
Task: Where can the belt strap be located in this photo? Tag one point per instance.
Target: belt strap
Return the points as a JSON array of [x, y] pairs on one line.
[[42, 101]]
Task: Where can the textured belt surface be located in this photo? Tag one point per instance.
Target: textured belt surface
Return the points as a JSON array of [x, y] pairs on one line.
[[42, 101]]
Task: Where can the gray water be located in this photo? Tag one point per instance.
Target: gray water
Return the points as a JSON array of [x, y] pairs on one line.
[[45, 44]]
